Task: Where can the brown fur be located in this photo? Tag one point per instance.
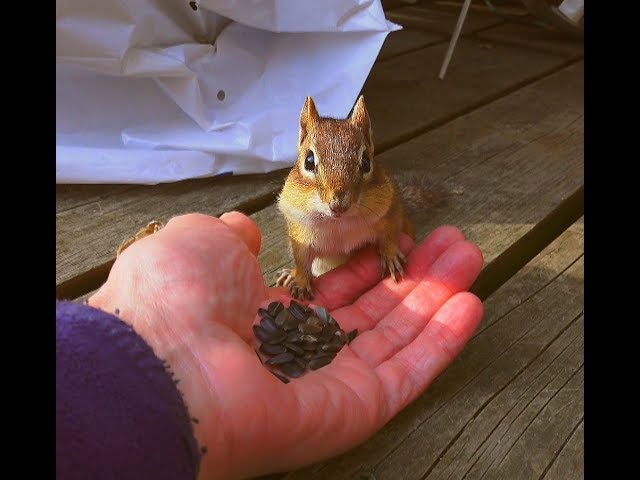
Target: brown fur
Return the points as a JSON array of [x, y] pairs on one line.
[[374, 213]]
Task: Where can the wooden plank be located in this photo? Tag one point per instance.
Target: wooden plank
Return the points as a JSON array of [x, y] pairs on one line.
[[504, 7], [493, 432], [520, 252], [71, 196], [541, 429], [532, 37], [513, 411], [403, 41], [87, 235], [559, 252], [507, 376], [570, 460], [441, 20], [405, 97], [509, 421], [391, 4], [427, 24], [513, 162]]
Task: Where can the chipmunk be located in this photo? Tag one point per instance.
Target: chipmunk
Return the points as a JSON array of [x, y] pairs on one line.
[[337, 199]]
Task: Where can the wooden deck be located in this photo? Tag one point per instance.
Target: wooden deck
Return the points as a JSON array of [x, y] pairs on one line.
[[500, 142]]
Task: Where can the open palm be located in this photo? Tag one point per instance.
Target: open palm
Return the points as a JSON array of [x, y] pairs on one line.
[[192, 291]]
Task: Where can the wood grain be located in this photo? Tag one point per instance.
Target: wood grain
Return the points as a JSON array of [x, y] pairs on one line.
[[506, 7], [530, 444], [532, 37], [405, 97], [569, 461], [440, 20], [87, 235], [391, 4], [520, 374], [403, 41]]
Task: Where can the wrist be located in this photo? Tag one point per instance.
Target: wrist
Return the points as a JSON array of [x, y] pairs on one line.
[[179, 351]]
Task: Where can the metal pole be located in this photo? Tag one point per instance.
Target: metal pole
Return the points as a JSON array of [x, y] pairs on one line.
[[454, 38]]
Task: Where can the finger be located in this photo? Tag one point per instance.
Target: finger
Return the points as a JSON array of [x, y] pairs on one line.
[[200, 226], [191, 220], [245, 228], [408, 373], [277, 294], [386, 295], [198, 248], [454, 271], [348, 282], [344, 284]]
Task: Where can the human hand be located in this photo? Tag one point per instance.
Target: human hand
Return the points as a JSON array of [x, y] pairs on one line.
[[192, 291]]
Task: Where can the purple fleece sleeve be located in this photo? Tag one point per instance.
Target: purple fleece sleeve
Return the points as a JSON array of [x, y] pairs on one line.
[[119, 414]]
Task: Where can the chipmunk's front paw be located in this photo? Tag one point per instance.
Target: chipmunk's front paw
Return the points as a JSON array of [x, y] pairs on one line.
[[287, 276], [299, 287], [392, 259]]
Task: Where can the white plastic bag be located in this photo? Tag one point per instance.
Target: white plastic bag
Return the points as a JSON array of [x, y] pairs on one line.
[[150, 91]]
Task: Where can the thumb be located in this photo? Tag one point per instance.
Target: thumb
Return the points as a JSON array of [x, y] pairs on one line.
[[245, 228]]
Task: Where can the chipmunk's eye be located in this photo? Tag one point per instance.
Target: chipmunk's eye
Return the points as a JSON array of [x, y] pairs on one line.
[[310, 162], [365, 165]]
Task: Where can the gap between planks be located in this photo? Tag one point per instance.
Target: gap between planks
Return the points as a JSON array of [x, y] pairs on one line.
[[569, 459], [507, 264]]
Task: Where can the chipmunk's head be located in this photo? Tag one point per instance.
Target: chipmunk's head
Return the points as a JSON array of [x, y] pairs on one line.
[[335, 158]]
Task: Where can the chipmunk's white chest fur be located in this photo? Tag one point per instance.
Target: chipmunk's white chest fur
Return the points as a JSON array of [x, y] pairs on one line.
[[340, 236], [328, 235]]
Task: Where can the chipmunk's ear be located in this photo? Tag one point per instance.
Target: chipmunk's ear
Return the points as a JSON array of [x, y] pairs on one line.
[[308, 117], [360, 118]]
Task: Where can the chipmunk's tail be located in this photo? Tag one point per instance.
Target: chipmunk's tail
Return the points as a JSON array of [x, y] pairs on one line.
[[418, 191]]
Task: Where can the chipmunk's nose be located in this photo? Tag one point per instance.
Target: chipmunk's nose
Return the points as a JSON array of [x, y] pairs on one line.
[[340, 203]]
